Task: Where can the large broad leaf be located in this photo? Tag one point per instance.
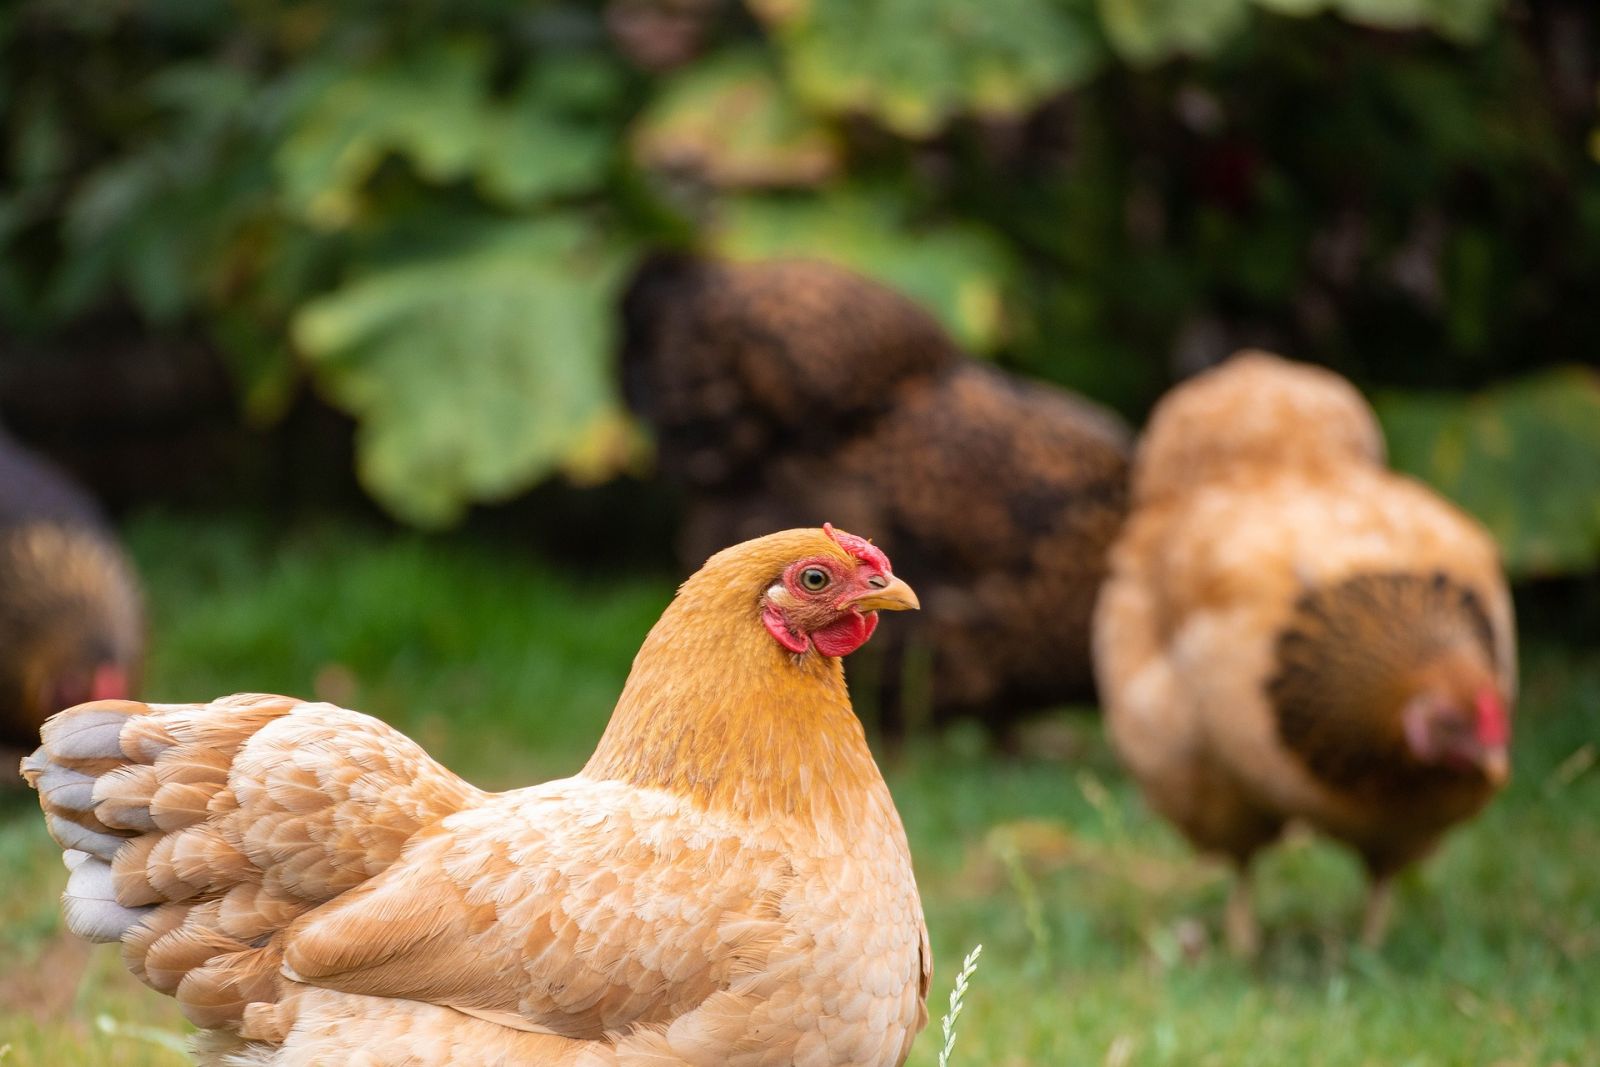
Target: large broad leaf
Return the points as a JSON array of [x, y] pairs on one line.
[[433, 105], [158, 221], [474, 371], [426, 105], [959, 272], [552, 137], [1462, 20], [1147, 31], [731, 122], [1524, 458], [912, 64]]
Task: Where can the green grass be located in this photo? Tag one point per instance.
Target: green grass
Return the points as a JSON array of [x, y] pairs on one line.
[[1100, 929]]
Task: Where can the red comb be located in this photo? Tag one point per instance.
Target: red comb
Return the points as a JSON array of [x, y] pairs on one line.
[[1494, 728], [859, 547]]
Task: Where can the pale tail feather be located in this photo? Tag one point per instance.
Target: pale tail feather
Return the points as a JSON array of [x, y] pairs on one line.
[[195, 832]]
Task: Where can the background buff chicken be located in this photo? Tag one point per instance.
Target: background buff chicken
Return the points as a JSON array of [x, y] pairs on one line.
[[726, 882], [1290, 631], [785, 392], [71, 622]]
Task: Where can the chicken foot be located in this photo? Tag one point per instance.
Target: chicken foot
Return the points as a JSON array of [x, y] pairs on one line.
[[1239, 921], [1380, 906]]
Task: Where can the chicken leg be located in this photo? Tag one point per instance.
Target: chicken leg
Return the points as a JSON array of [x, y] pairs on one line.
[[1244, 933], [1380, 905]]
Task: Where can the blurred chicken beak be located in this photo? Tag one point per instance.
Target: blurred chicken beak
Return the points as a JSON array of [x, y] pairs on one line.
[[895, 596], [1497, 765]]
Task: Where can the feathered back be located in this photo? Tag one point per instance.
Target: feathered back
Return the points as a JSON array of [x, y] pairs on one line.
[[1254, 409], [724, 359]]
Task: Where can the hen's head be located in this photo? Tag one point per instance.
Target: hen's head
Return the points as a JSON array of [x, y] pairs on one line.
[[72, 631], [737, 697], [59, 674], [812, 589], [1457, 718]]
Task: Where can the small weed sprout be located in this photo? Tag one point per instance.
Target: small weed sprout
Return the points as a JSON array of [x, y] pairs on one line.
[[957, 995], [1032, 907]]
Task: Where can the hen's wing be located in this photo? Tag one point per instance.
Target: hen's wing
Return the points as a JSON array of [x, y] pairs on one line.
[[197, 832], [577, 908]]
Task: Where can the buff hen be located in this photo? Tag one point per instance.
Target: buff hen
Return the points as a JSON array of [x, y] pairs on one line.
[[784, 392], [1292, 632], [726, 881], [71, 618]]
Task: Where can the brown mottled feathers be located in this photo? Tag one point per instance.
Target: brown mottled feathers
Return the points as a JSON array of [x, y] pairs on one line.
[[726, 882], [996, 497], [1274, 601], [731, 362], [69, 602], [1327, 646]]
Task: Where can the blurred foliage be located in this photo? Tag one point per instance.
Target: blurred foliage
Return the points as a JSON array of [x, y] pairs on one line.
[[1522, 457], [425, 210], [959, 270], [488, 326]]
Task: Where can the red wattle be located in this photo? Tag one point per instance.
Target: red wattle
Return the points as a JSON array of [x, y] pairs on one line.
[[778, 627], [844, 636], [1494, 727]]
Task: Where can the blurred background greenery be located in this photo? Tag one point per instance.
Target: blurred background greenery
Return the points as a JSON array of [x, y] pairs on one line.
[[217, 220]]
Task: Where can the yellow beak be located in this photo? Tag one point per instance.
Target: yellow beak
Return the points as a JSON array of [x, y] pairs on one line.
[[1497, 766], [895, 596]]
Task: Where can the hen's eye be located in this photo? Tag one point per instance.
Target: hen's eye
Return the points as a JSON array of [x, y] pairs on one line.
[[814, 579]]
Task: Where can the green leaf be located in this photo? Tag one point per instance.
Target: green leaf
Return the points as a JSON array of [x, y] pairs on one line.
[[730, 121], [960, 272], [426, 104], [1295, 8], [434, 106], [1148, 31], [913, 64], [552, 138], [1523, 457], [474, 371], [1461, 20], [158, 221]]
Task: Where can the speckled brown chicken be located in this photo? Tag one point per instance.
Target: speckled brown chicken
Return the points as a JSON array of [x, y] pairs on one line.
[[1291, 632], [783, 393], [71, 623]]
